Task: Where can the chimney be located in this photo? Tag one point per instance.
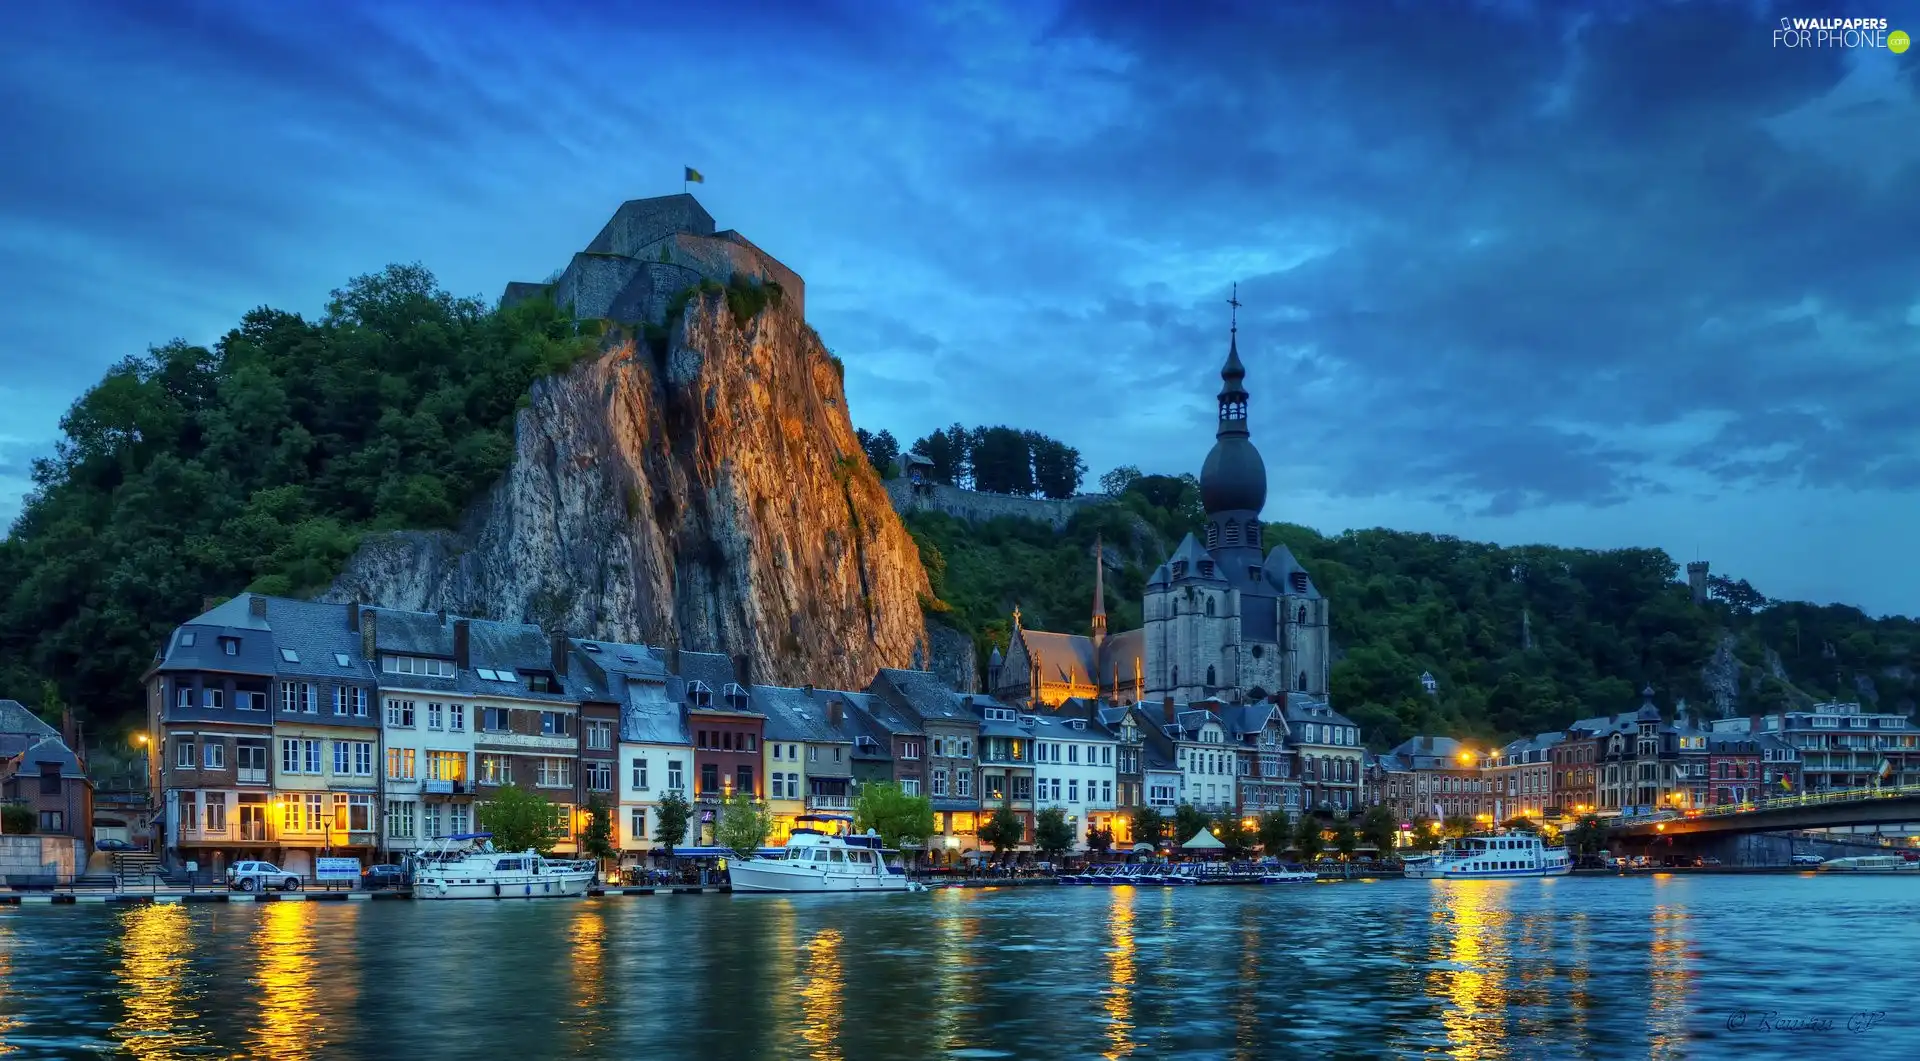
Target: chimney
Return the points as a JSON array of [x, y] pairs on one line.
[[462, 648], [353, 616], [257, 606], [367, 639], [743, 670], [69, 731], [833, 712], [559, 645], [1168, 705]]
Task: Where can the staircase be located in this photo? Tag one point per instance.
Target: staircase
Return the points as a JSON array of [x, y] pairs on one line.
[[134, 867]]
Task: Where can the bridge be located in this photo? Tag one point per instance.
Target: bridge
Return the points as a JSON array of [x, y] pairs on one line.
[[1817, 810]]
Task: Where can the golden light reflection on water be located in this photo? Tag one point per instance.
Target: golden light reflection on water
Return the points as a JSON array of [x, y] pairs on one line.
[[158, 1020], [1474, 982], [955, 958], [1120, 974], [1668, 973], [822, 996], [1246, 1013], [8, 1022], [586, 963], [289, 1025]]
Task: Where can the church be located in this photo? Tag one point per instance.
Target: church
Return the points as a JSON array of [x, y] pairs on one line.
[[1221, 619]]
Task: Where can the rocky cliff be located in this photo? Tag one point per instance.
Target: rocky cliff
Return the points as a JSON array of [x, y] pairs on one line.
[[707, 491]]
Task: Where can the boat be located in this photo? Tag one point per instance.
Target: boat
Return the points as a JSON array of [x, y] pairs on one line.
[[1289, 876], [1493, 858], [466, 866], [818, 859], [1870, 864]]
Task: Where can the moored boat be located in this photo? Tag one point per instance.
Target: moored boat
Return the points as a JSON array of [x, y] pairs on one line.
[[1287, 876], [816, 859], [1870, 864], [466, 866], [1493, 858]]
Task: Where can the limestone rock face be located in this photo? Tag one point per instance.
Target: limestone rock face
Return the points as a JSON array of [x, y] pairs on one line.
[[714, 498]]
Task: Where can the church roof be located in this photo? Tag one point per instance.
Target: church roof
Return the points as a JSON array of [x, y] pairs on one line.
[[1122, 649], [1063, 656], [1161, 576], [1280, 569], [1191, 554]]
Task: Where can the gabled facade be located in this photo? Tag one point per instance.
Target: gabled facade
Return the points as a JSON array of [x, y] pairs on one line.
[[326, 735], [1327, 746], [727, 733], [917, 700], [1006, 761], [1074, 767], [39, 770], [655, 749]]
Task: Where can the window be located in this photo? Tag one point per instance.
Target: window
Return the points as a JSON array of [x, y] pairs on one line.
[[1106, 755], [402, 819], [341, 659], [637, 824], [1073, 789], [963, 783], [183, 696], [555, 724], [435, 716], [352, 813], [52, 821], [432, 822], [353, 757], [745, 777], [252, 761], [600, 776], [400, 714], [446, 766], [186, 639], [310, 755], [217, 816], [600, 736], [289, 755], [215, 755], [966, 748], [675, 781], [432, 668], [400, 764], [910, 750], [709, 778], [939, 780], [212, 698], [562, 821], [340, 699], [289, 655], [639, 775], [777, 749], [230, 645], [1106, 791], [496, 770], [839, 753], [813, 753], [553, 772], [457, 718], [493, 720], [910, 786]]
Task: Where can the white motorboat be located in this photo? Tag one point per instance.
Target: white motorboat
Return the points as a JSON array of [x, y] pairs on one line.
[[466, 866], [817, 859], [1287, 876], [1870, 864], [1519, 854]]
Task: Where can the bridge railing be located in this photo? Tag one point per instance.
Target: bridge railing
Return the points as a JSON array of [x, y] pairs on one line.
[[1804, 799]]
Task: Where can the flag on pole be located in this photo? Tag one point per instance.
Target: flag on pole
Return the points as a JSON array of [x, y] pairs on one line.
[[693, 177], [1785, 783], [1886, 769]]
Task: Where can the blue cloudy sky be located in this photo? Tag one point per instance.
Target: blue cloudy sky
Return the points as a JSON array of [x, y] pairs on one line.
[[1621, 275]]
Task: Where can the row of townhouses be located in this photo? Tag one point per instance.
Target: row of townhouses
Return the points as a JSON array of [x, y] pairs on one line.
[[1636, 762], [293, 729]]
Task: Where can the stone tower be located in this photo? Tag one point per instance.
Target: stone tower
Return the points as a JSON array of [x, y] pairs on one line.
[[1697, 580], [1099, 598]]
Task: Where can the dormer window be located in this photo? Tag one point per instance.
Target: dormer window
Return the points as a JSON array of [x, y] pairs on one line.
[[699, 694], [735, 696], [1299, 580], [186, 639], [1206, 569], [1179, 569], [230, 645]]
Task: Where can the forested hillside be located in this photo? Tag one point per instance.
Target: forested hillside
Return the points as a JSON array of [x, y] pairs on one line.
[[188, 471], [1522, 639]]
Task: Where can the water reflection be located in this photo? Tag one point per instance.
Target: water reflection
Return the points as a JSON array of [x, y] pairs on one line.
[[1119, 994], [822, 996], [1246, 1010], [1471, 970], [155, 958], [585, 962], [1667, 998], [8, 1022], [289, 1025]]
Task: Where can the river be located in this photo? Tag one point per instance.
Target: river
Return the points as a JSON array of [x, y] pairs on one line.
[[1659, 967]]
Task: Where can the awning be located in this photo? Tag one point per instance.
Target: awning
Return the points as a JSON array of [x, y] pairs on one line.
[[1203, 841]]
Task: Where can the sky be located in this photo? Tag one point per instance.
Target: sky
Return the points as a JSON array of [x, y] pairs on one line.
[[1614, 275]]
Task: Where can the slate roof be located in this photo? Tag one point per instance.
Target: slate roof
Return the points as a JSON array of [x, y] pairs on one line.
[[1061, 656], [18, 718], [491, 645], [633, 677], [1303, 708], [794, 715], [1429, 753], [1190, 553], [928, 697], [888, 718], [860, 722], [1156, 748], [319, 636], [234, 619], [712, 669], [27, 763], [1279, 569]]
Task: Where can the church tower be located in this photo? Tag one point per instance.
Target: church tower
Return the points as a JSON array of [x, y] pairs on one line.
[[1099, 599], [1233, 481]]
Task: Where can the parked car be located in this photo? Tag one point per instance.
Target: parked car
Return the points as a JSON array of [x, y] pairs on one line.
[[259, 876], [112, 845], [374, 878], [1807, 860]]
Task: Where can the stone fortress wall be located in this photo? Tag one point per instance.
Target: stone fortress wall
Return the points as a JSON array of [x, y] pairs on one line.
[[976, 507]]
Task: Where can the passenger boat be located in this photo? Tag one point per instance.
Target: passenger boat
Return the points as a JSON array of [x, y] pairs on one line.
[[1491, 858], [1870, 864], [1289, 876], [466, 866], [817, 859]]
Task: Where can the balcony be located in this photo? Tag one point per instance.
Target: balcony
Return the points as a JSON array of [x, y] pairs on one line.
[[252, 832], [820, 802], [251, 775], [438, 787]]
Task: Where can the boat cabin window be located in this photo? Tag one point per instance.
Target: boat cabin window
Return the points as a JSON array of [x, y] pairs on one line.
[[510, 864], [838, 855]]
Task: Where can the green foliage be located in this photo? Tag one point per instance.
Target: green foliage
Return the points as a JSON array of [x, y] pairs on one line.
[[746, 297], [744, 824], [1052, 836], [1099, 841], [1274, 832], [596, 840], [17, 819], [1004, 830], [888, 810], [1587, 837], [1188, 821], [1149, 826], [1379, 829], [882, 450], [1344, 840], [190, 472], [670, 818], [519, 820], [1235, 835], [1307, 839], [1118, 480], [1003, 460]]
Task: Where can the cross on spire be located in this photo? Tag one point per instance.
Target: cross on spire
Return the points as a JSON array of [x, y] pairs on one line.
[[1234, 301]]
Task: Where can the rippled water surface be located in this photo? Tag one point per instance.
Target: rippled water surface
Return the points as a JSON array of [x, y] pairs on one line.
[[1661, 967]]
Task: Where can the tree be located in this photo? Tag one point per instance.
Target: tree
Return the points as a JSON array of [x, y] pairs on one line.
[[519, 820], [670, 819], [888, 810], [16, 819], [1379, 828], [1002, 461], [947, 452], [1188, 821], [1149, 826], [1307, 839], [1004, 831], [1119, 480], [1425, 835], [744, 824], [1343, 839], [1058, 470], [596, 841], [1456, 826], [1588, 836], [1275, 832], [1099, 841], [1052, 836], [882, 450], [1235, 835], [1519, 821]]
